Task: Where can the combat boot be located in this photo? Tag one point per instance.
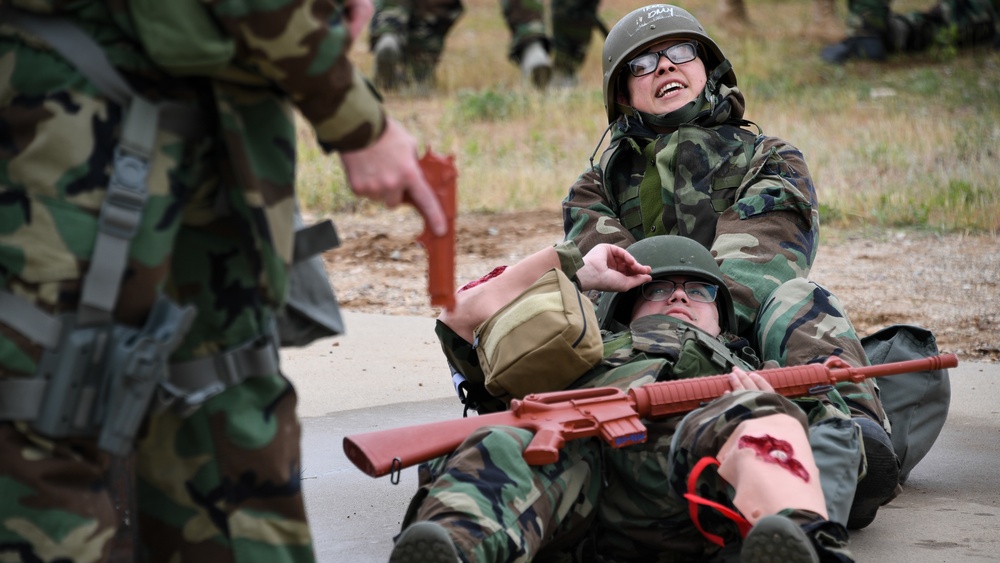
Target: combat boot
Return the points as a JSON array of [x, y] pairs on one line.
[[388, 53], [536, 64], [881, 481], [776, 539], [796, 536], [424, 542], [564, 71], [420, 73]]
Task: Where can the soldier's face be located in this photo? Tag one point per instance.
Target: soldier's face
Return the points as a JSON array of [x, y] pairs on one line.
[[702, 315], [670, 86]]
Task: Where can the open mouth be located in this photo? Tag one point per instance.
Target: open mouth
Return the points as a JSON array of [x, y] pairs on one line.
[[669, 88]]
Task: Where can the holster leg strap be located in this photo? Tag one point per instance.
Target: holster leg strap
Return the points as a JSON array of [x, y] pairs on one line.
[[195, 381]]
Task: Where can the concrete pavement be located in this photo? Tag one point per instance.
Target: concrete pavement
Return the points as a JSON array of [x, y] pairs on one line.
[[388, 372]]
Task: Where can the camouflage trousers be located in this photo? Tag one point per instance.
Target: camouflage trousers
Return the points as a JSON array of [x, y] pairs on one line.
[[220, 484], [595, 502], [422, 26], [573, 23], [949, 23], [801, 323]]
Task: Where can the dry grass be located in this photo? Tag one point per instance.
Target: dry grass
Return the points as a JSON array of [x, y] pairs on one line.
[[911, 142]]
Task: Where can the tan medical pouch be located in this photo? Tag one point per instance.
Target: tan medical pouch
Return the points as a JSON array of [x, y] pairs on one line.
[[541, 341]]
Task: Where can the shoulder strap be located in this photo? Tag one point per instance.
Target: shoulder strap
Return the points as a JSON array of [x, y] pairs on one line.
[[720, 353], [77, 47], [121, 212]]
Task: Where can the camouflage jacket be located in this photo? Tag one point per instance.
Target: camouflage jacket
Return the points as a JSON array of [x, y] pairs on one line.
[[663, 348], [747, 197], [295, 49], [653, 348], [288, 56]]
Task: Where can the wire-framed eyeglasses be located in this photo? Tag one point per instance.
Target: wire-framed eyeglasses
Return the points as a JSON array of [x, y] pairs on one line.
[[661, 290], [678, 54]]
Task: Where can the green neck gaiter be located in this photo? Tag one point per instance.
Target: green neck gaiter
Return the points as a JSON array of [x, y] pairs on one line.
[[676, 118]]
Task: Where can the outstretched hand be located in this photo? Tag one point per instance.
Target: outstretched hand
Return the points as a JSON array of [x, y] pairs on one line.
[[389, 170], [611, 268]]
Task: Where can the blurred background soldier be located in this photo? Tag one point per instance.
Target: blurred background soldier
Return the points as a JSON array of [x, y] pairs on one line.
[[552, 58], [874, 31], [407, 39]]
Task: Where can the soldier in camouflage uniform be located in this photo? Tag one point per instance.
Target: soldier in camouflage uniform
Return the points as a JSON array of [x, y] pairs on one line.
[[217, 460], [645, 502], [407, 38], [874, 30], [573, 23], [682, 161]]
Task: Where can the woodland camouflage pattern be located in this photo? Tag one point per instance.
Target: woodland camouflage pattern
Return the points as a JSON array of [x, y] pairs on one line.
[[747, 197], [423, 25], [573, 23], [598, 503], [223, 483]]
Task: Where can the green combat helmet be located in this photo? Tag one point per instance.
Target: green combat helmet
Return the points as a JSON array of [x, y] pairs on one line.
[[669, 255], [646, 26]]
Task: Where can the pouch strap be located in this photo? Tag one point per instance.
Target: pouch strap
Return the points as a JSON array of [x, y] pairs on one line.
[[121, 212], [21, 398]]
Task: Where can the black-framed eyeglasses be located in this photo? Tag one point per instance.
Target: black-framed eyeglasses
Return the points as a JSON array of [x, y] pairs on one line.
[[678, 54], [661, 290]]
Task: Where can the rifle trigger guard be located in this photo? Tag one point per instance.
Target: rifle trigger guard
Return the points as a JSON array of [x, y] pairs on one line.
[[395, 470]]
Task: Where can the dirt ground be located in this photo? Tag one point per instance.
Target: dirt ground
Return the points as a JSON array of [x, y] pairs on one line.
[[949, 284]]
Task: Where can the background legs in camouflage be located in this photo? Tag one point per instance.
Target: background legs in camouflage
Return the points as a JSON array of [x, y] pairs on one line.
[[572, 24], [407, 39], [225, 482]]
